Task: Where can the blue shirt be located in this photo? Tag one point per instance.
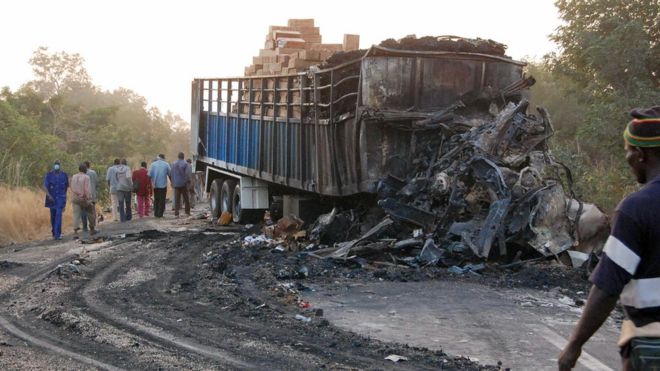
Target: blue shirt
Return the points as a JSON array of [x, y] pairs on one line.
[[180, 174], [158, 172], [56, 184], [110, 177]]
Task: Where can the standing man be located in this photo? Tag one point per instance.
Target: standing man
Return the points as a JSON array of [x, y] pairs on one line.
[[112, 185], [181, 177], [94, 183], [191, 184], [143, 189], [159, 172], [630, 265], [56, 183], [124, 190], [82, 200]]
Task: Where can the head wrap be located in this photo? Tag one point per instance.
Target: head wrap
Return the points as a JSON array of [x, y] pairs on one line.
[[644, 129]]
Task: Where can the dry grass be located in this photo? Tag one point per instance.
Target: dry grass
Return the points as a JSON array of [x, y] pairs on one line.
[[23, 216]]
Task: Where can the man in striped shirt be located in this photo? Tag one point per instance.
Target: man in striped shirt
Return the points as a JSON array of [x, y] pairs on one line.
[[630, 266]]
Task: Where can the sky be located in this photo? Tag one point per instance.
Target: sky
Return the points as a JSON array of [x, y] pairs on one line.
[[156, 48]]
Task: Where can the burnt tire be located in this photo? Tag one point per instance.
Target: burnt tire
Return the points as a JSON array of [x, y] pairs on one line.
[[227, 195], [214, 197]]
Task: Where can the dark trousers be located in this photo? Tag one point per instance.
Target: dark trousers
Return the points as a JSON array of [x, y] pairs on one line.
[[56, 221], [159, 201], [124, 200], [178, 192]]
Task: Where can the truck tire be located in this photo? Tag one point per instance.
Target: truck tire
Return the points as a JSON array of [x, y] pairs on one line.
[[240, 215], [227, 195], [214, 197], [237, 214]]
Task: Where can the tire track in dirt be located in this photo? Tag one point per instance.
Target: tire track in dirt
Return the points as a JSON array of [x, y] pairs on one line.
[[109, 314], [212, 334], [40, 342]]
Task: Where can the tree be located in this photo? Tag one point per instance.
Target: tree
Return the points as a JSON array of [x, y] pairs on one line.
[[57, 72], [607, 64], [609, 46], [611, 50]]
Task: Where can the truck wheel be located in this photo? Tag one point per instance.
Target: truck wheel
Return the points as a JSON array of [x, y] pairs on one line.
[[227, 195], [237, 212], [216, 186]]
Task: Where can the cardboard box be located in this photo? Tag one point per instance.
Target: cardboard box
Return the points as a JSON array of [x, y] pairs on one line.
[[309, 30], [267, 52], [286, 51], [279, 28], [351, 42], [276, 35], [313, 55], [312, 38], [287, 43], [301, 22], [301, 63]]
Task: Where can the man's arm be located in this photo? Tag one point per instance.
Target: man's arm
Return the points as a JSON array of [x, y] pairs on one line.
[[597, 309], [46, 187]]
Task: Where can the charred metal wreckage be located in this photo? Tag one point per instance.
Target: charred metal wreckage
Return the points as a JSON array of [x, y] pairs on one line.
[[434, 130], [485, 185]]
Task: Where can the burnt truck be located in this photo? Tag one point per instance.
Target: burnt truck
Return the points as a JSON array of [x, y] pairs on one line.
[[276, 141]]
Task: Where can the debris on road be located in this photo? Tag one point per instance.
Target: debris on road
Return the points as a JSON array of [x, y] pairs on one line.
[[396, 358], [302, 318], [485, 186]]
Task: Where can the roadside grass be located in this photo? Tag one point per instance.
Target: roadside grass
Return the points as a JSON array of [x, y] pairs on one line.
[[23, 216]]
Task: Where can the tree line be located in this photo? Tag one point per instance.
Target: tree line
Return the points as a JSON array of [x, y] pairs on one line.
[[608, 63], [61, 114]]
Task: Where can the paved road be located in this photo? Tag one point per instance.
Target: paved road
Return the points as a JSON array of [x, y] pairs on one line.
[[524, 329]]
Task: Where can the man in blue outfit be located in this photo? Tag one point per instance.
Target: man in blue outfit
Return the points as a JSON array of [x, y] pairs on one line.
[[56, 184]]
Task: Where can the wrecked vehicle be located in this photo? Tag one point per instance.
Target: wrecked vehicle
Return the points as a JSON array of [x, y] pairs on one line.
[[437, 130]]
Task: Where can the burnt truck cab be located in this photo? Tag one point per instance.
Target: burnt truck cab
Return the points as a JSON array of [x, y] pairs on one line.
[[333, 132]]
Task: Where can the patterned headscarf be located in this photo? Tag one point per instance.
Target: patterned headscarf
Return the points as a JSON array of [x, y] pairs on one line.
[[644, 129]]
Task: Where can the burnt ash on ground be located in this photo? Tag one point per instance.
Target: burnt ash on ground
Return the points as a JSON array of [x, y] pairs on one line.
[[263, 286], [270, 265]]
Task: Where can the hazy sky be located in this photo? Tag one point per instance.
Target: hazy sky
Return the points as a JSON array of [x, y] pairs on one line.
[[157, 47]]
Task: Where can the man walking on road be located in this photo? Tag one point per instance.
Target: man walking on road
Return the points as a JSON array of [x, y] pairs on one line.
[[630, 265], [181, 178], [112, 185], [94, 183], [56, 184], [81, 188], [124, 189], [142, 189], [159, 172]]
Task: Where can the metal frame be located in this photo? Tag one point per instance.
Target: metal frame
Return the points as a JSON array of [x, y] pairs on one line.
[[318, 128]]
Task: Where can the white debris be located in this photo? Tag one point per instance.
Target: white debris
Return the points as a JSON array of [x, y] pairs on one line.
[[396, 358]]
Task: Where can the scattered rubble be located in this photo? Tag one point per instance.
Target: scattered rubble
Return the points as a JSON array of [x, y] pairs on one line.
[[485, 186]]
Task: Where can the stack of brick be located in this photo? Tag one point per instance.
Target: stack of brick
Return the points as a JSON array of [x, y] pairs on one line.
[[295, 47]]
